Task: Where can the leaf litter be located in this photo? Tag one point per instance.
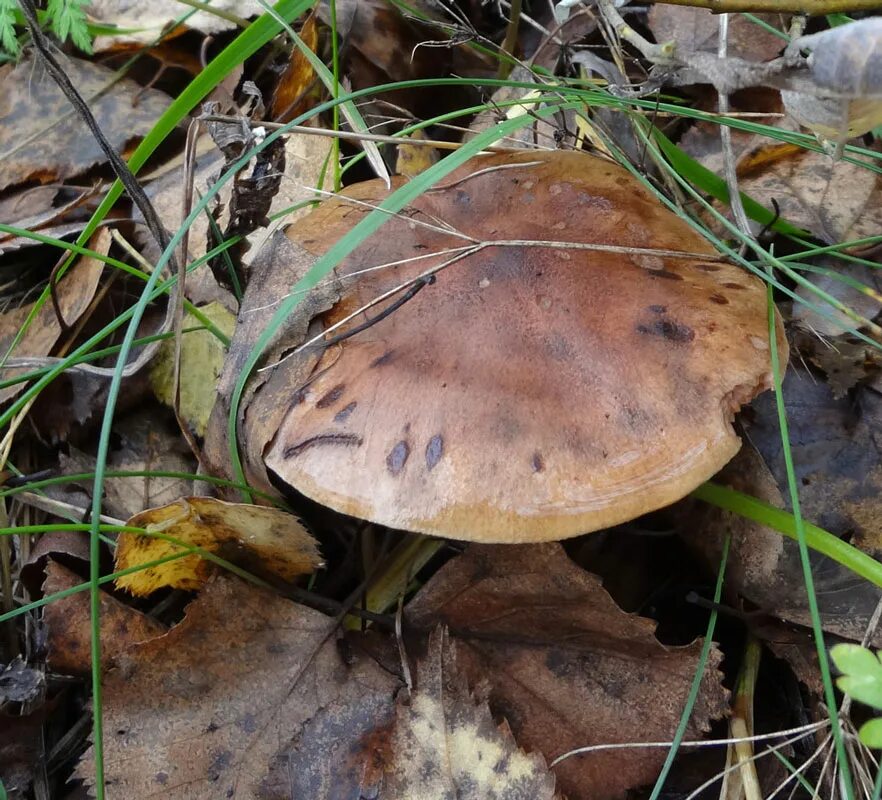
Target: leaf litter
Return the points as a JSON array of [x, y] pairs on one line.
[[504, 658]]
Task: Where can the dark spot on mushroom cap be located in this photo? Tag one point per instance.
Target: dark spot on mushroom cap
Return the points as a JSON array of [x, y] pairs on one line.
[[670, 330], [657, 309], [537, 463], [664, 273], [331, 397], [709, 267], [434, 450], [719, 299], [734, 286], [344, 412], [386, 358], [323, 438], [397, 457]]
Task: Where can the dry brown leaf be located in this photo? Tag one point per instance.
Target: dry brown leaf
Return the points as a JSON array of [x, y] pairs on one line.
[[835, 200], [565, 665], [143, 442], [42, 138], [836, 455], [265, 540], [75, 291], [290, 98], [695, 29], [446, 744], [203, 711], [68, 624]]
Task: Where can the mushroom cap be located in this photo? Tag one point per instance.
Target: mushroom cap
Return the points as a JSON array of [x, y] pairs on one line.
[[532, 392]]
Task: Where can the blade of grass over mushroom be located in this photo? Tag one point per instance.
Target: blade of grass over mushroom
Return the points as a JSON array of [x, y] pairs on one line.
[[367, 226], [784, 522], [696, 681], [765, 256]]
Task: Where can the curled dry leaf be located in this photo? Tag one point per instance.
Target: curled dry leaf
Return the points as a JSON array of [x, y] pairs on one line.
[[246, 678], [74, 291], [42, 138], [462, 413], [261, 539], [565, 665], [68, 624]]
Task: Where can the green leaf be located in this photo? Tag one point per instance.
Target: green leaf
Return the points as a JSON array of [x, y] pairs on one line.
[[862, 678], [8, 42], [871, 733]]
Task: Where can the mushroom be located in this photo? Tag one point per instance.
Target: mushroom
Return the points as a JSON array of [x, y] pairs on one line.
[[575, 359]]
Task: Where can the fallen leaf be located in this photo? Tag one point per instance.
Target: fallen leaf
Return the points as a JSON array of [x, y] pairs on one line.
[[74, 291], [69, 548], [20, 683], [695, 29], [21, 751], [41, 136], [446, 744], [142, 442], [203, 711], [68, 624], [835, 200], [263, 539], [835, 445], [290, 98], [144, 24], [202, 359], [565, 665]]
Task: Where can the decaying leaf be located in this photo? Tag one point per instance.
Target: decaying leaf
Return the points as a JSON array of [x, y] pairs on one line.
[[695, 29], [202, 359], [142, 444], [21, 750], [74, 291], [836, 201], [203, 711], [835, 446], [565, 665], [41, 136], [446, 744], [266, 540], [68, 624]]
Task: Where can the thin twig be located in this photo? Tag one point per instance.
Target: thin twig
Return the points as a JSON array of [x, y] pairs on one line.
[[811, 7]]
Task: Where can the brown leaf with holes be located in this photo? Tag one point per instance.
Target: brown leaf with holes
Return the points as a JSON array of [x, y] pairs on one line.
[[35, 116], [209, 709], [75, 292], [264, 540], [565, 665], [67, 620]]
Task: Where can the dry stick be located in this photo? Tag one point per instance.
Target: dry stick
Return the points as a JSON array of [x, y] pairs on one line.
[[810, 7]]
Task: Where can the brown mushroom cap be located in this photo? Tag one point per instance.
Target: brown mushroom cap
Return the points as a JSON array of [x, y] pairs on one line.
[[532, 392]]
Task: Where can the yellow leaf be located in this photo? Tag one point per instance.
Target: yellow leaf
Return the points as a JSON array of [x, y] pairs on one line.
[[202, 359], [263, 540]]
